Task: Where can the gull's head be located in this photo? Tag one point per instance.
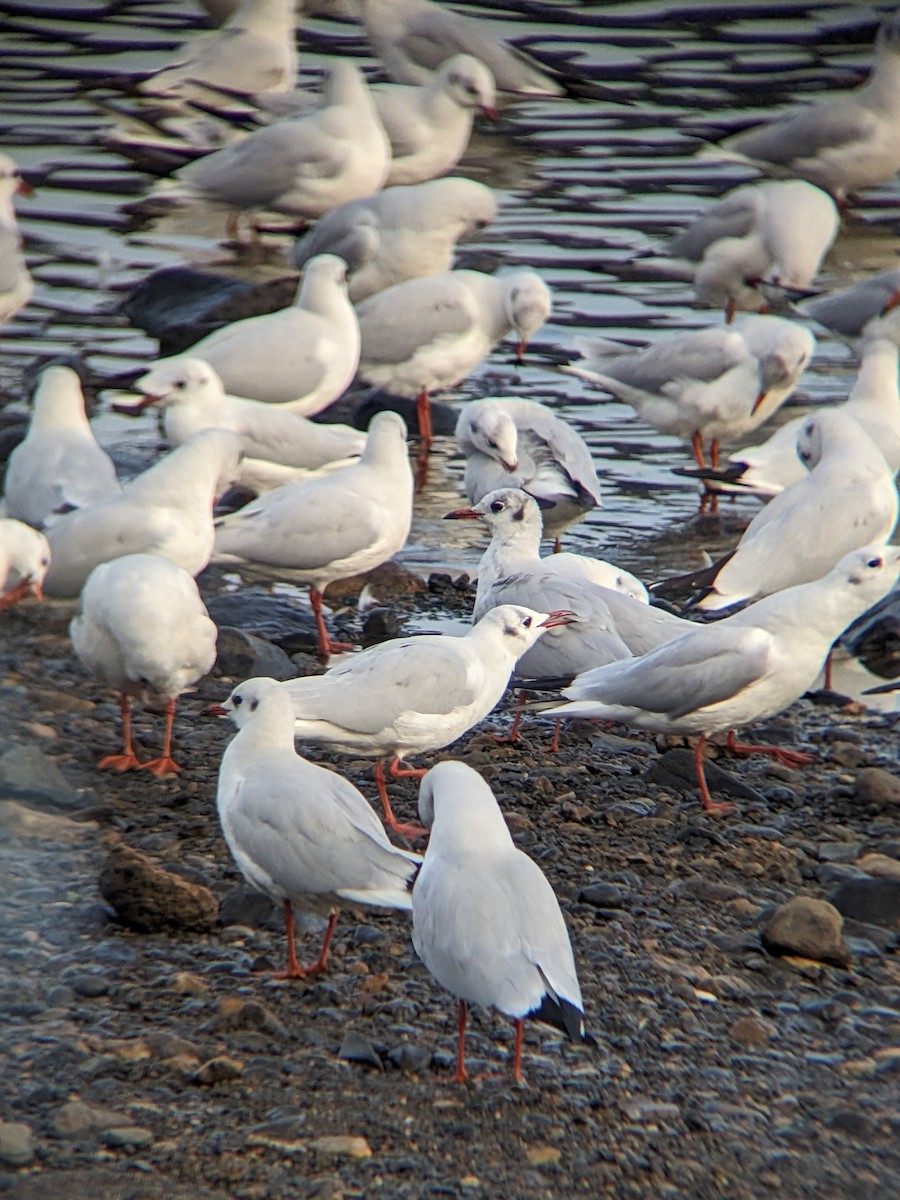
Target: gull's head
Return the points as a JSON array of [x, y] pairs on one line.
[[24, 555], [508, 513], [518, 628], [252, 697], [58, 394], [449, 787], [324, 269], [179, 381], [492, 430], [468, 83], [528, 305], [11, 182], [870, 572]]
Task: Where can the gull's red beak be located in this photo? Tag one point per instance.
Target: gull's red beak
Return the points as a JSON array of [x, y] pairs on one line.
[[216, 710], [513, 466], [24, 188], [892, 303], [562, 616], [132, 410], [37, 590], [488, 110], [463, 514], [757, 402]]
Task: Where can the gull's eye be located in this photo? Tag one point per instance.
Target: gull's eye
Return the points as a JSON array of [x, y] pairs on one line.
[[527, 622], [181, 384], [237, 701], [497, 506], [493, 445], [875, 563]]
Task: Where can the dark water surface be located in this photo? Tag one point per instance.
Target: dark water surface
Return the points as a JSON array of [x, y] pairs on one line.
[[582, 187]]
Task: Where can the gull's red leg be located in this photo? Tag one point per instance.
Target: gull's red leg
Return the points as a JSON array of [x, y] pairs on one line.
[[127, 759]]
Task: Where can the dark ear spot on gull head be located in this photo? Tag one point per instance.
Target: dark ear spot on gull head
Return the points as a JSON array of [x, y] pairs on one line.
[[519, 515]]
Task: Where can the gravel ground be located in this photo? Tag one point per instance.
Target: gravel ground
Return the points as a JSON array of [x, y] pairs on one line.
[[161, 1064]]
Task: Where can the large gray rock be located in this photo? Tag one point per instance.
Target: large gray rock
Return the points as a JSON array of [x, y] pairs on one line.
[[809, 927]]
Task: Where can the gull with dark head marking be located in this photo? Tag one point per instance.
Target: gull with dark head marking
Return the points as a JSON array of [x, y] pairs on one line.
[[415, 693], [486, 922], [142, 628], [58, 465], [741, 669], [301, 834]]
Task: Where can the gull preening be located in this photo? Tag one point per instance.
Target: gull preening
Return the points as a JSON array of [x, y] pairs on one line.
[[301, 834], [191, 398], [742, 669], [142, 628], [510, 442], [330, 528], [844, 143], [400, 233], [708, 385], [427, 334], [24, 561], [847, 498], [167, 510], [486, 922], [304, 355], [16, 284], [774, 232], [414, 694], [869, 307]]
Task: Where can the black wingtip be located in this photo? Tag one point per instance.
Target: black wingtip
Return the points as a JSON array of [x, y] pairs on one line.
[[691, 581], [562, 1015]]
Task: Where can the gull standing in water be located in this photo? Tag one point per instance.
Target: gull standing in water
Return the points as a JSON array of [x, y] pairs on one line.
[[330, 528], [416, 693], [58, 465], [741, 669], [142, 627], [486, 922], [299, 833]]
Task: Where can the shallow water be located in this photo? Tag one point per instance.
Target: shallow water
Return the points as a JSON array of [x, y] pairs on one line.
[[582, 186]]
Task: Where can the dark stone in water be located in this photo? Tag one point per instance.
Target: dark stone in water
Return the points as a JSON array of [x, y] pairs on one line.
[[243, 655], [277, 619], [180, 305], [379, 625], [443, 416]]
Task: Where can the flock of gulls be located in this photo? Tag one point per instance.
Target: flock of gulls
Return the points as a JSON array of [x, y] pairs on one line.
[[379, 302]]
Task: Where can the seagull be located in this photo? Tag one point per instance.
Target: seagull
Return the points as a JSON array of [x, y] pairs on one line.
[[191, 397], [300, 833], [847, 498], [429, 126], [708, 385], [874, 403], [24, 560], [58, 465], [606, 625], [427, 334], [414, 694], [400, 233], [509, 442], [142, 627], [330, 528], [774, 232], [486, 922], [16, 284], [301, 165], [414, 37], [167, 510], [844, 143], [254, 51], [744, 668], [304, 355], [870, 307]]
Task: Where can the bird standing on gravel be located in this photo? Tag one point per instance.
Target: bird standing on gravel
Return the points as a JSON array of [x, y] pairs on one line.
[[486, 922], [142, 627], [300, 833], [741, 669]]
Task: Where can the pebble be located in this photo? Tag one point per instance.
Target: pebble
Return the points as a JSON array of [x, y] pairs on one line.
[[675, 770], [148, 898], [242, 655], [27, 771], [877, 788], [604, 895], [18, 820], [808, 927], [875, 901], [879, 866], [76, 1118], [543, 1156], [220, 1069], [753, 1031], [16, 1143], [342, 1146], [356, 1048], [236, 1014], [408, 1057], [128, 1135]]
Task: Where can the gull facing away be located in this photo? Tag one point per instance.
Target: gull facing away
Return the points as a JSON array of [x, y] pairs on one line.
[[773, 232], [415, 693], [304, 355], [58, 465], [870, 307], [844, 143], [741, 669], [513, 443], [142, 628], [874, 403], [400, 233], [708, 385], [414, 37], [330, 528], [299, 833], [16, 284], [486, 922], [426, 334], [847, 498], [429, 127], [191, 397], [606, 624], [254, 51], [24, 560], [166, 510], [302, 165]]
